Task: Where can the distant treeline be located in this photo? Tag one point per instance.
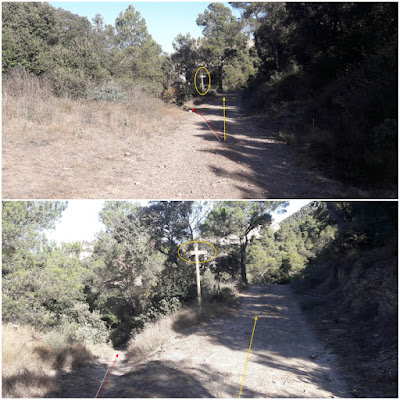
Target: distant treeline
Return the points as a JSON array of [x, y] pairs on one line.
[[74, 53]]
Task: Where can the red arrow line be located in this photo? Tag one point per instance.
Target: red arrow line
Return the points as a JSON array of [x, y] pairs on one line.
[[219, 137], [108, 375]]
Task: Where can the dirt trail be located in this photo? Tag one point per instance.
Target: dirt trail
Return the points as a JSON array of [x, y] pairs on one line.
[[189, 163], [251, 163], [286, 359]]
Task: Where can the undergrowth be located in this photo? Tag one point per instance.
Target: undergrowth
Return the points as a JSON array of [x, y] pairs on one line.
[[31, 110], [347, 125], [31, 359], [155, 334]]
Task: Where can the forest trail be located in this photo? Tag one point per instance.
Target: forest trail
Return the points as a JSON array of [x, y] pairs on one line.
[[251, 164], [188, 163], [286, 359]]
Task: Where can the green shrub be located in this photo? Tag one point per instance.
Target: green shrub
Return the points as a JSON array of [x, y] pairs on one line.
[[89, 324], [80, 324], [209, 284], [67, 82], [106, 93], [60, 337], [226, 295], [228, 264], [125, 329], [184, 93], [163, 307]]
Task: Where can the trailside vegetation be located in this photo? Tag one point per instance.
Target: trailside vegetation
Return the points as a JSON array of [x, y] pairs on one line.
[[80, 58], [350, 293], [328, 80]]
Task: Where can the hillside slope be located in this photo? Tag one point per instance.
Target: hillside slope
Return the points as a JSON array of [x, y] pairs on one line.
[[352, 302]]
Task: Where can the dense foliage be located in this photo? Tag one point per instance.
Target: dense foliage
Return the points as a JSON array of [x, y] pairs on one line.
[[237, 221], [350, 291], [133, 274], [281, 254], [76, 55], [329, 76]]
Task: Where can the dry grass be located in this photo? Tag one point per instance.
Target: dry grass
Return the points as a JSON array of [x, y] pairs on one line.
[[30, 362], [44, 134], [29, 101], [28, 369], [160, 332]]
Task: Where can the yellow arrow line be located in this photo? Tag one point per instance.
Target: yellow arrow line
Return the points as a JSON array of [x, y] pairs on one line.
[[224, 119], [251, 341]]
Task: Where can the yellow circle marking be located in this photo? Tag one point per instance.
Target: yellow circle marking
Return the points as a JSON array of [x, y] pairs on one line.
[[209, 85], [198, 241]]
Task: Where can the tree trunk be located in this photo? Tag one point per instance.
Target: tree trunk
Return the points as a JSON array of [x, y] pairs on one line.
[[259, 52], [220, 69], [243, 261], [276, 57], [336, 215]]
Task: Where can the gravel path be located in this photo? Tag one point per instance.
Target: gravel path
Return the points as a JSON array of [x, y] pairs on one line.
[[286, 359]]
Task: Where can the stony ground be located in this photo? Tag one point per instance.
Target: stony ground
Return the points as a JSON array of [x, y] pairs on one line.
[[286, 359]]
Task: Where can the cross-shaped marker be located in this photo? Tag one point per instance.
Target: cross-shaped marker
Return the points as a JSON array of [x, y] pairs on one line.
[[202, 76], [196, 252]]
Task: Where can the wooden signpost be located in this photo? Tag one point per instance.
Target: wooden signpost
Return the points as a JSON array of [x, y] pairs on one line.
[[196, 252], [202, 76]]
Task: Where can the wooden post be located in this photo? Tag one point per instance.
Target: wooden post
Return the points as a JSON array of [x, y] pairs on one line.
[[202, 82], [196, 253]]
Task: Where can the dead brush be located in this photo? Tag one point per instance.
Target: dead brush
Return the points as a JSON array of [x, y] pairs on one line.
[[30, 361], [30, 100], [81, 138], [156, 334], [27, 369], [72, 357], [20, 84]]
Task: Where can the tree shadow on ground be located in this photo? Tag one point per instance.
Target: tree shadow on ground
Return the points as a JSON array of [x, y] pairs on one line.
[[28, 384], [274, 167], [152, 379], [166, 379], [44, 380], [81, 382], [279, 343]]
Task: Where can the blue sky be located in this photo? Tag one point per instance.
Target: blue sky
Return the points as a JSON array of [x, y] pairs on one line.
[[80, 221], [164, 20]]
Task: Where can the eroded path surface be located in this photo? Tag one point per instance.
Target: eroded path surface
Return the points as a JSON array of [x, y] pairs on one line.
[[188, 163], [252, 163], [286, 359]]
